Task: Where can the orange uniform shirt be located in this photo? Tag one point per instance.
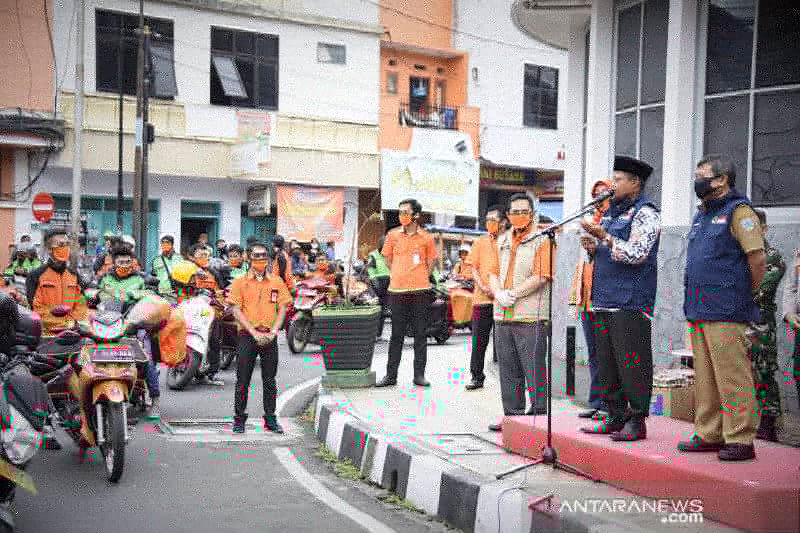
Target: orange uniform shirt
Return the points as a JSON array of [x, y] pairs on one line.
[[409, 255], [483, 257], [259, 301]]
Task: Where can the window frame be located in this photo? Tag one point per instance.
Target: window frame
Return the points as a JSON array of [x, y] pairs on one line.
[[537, 92], [331, 46], [258, 61]]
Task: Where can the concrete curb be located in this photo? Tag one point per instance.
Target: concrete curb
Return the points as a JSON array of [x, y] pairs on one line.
[[461, 498]]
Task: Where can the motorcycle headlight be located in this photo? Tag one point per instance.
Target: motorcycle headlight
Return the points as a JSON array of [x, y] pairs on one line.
[[20, 440]]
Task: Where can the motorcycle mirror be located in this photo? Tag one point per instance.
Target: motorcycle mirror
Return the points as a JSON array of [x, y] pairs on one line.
[[60, 311], [68, 338]]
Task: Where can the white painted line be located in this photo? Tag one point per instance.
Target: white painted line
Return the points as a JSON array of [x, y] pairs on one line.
[[302, 476], [287, 395]]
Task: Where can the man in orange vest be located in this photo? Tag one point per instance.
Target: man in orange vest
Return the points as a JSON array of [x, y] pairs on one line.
[[55, 284]]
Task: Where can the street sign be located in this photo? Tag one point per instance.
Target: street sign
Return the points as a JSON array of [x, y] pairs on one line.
[[43, 206]]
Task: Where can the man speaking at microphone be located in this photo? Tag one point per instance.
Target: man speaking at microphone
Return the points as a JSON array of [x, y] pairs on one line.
[[625, 247]]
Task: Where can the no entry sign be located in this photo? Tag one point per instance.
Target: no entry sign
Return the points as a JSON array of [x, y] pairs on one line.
[[42, 207]]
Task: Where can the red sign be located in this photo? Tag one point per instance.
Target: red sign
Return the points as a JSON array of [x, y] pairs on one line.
[[43, 206]]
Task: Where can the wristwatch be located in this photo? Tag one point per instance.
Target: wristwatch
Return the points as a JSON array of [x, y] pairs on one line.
[[608, 240]]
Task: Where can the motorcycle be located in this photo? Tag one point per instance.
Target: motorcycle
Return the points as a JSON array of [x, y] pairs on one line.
[[23, 412], [229, 333], [107, 375], [199, 313], [439, 327], [311, 293]]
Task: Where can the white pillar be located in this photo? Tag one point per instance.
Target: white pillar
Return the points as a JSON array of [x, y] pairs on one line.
[[677, 197], [573, 130], [599, 139]]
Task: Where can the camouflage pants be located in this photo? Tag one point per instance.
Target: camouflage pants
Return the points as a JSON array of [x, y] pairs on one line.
[[765, 364]]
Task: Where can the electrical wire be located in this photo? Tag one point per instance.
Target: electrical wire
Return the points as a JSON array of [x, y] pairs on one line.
[[25, 49], [53, 52]]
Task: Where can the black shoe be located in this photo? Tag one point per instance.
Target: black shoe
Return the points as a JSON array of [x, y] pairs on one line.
[[474, 384], [387, 382], [634, 429], [271, 424], [737, 452], [496, 427], [767, 429], [589, 413], [238, 425], [536, 411], [420, 381], [605, 427], [600, 415], [697, 444]]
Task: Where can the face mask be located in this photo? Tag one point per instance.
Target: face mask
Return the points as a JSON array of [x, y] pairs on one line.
[[519, 221], [492, 226], [405, 220], [61, 253], [703, 188], [166, 248], [124, 272], [259, 265], [202, 262], [236, 263], [322, 267]]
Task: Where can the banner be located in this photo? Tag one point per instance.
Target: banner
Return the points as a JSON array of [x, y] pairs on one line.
[[445, 186], [306, 212], [252, 150]]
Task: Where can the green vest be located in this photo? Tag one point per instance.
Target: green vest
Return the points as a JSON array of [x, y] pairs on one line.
[[164, 286], [381, 269], [240, 271], [27, 265], [113, 287], [438, 281]]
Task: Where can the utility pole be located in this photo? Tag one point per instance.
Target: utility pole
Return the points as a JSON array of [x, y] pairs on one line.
[[77, 157], [138, 164], [145, 207], [120, 59]]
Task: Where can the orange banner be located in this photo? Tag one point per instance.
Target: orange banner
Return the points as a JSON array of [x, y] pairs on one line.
[[306, 212]]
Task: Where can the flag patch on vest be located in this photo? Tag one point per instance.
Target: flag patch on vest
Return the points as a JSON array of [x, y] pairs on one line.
[[747, 224], [721, 219]]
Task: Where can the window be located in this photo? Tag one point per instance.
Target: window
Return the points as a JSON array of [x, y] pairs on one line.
[[391, 83], [641, 58], [331, 53], [244, 69], [117, 50], [752, 105], [540, 99]]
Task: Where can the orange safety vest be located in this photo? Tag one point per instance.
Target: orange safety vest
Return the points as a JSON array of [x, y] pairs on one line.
[[58, 289]]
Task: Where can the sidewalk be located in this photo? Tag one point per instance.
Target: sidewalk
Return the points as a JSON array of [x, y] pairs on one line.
[[432, 447]]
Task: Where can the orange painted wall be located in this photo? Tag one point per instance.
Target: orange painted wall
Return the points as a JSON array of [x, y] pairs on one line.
[[6, 215], [26, 64], [428, 25], [393, 136]]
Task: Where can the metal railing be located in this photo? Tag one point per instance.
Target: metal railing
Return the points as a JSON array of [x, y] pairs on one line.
[[427, 116]]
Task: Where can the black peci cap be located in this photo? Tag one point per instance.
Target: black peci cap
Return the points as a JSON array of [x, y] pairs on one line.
[[633, 165]]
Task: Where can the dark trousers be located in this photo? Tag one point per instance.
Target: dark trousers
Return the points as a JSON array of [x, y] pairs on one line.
[[380, 286], [409, 308], [624, 352], [482, 322], [521, 349], [248, 352], [214, 344], [596, 400]]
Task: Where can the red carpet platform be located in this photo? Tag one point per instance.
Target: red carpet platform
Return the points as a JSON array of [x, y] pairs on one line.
[[762, 495]]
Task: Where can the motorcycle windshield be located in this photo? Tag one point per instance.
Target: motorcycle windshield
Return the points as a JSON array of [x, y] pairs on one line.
[[27, 394]]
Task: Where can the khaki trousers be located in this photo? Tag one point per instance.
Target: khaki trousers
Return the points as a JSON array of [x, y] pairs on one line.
[[725, 401]]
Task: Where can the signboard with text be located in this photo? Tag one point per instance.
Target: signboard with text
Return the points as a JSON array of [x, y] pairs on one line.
[[252, 151], [310, 212]]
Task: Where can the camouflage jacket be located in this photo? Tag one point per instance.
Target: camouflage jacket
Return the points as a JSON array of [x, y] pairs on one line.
[[765, 297]]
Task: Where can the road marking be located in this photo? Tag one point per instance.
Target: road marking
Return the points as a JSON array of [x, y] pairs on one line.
[[287, 395], [288, 460]]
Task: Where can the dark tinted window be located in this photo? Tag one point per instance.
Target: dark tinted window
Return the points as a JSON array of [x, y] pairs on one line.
[[540, 98], [729, 47], [654, 51], [778, 48], [776, 159], [628, 56], [652, 148], [625, 137], [255, 58], [726, 132]]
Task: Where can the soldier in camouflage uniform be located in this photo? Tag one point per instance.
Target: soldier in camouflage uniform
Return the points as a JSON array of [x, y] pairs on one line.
[[764, 338]]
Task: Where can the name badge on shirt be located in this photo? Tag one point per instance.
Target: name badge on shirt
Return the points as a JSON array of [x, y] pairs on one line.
[[273, 297], [415, 259]]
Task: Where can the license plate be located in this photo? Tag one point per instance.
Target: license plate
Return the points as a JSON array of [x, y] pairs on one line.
[[20, 477], [113, 354]]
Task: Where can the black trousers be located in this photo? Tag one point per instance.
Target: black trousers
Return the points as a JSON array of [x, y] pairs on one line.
[[380, 286], [482, 322], [214, 343], [624, 352], [409, 308], [248, 352]]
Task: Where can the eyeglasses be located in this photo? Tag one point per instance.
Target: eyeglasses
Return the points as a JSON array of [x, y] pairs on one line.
[[123, 262], [519, 211], [59, 243], [260, 255], [701, 177], [406, 212]]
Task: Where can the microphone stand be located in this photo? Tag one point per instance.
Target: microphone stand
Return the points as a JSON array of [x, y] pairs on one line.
[[549, 453]]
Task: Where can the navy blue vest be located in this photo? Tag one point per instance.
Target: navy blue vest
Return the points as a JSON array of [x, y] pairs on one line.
[[717, 279], [619, 285]]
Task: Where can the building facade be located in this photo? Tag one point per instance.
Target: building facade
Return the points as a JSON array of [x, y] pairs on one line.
[[669, 81], [308, 69]]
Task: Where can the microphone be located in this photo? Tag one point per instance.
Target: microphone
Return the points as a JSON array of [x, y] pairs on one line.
[[602, 198]]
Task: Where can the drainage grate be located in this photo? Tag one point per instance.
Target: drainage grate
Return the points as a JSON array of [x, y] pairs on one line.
[[461, 444], [218, 430]]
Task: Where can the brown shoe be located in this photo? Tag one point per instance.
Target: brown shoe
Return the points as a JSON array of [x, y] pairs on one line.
[[697, 444], [737, 452], [604, 428]]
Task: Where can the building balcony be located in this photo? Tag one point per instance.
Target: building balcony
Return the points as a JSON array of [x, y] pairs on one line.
[[427, 116]]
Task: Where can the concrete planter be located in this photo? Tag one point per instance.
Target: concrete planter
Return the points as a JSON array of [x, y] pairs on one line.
[[347, 337]]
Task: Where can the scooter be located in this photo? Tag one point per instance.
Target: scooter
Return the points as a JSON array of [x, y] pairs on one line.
[[107, 375], [311, 293], [22, 404], [198, 311]]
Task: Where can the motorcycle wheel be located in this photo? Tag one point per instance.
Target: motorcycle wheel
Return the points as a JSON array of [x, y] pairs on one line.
[[297, 336], [226, 357], [180, 376], [114, 448]]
